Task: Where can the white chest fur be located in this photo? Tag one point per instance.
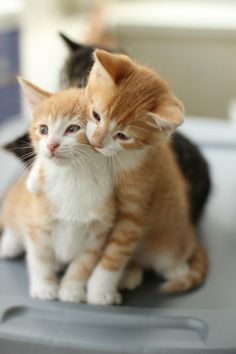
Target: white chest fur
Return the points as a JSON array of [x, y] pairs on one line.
[[76, 192], [69, 240]]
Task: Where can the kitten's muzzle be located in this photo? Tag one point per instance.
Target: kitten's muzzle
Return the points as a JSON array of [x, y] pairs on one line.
[[52, 148], [97, 144]]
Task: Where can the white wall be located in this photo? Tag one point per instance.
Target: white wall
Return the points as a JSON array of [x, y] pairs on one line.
[[201, 69], [192, 44]]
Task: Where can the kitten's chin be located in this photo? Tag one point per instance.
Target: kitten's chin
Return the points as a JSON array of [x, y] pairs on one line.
[[58, 160]]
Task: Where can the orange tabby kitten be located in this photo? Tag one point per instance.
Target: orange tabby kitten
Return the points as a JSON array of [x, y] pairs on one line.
[[62, 211], [132, 113]]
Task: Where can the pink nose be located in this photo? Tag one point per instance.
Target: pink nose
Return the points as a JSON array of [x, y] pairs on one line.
[[52, 147], [97, 143]]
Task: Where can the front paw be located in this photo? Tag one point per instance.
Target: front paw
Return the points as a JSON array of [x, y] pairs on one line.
[[72, 292], [103, 297], [44, 291], [102, 287]]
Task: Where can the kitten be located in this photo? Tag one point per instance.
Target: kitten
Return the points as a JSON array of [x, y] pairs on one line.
[[61, 213], [131, 115], [192, 163]]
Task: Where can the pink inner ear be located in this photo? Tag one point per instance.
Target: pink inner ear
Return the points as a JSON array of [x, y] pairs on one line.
[[99, 73], [167, 118], [116, 66], [34, 94], [34, 100]]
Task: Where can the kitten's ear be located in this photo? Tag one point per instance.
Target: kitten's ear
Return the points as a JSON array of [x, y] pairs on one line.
[[73, 46], [34, 94], [111, 67], [168, 117]]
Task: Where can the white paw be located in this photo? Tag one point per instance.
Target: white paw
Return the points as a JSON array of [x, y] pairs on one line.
[[45, 291], [100, 297], [102, 287], [72, 293], [8, 252], [132, 278]]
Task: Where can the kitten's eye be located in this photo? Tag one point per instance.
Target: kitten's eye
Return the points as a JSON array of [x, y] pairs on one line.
[[72, 129], [122, 136], [96, 116], [43, 129]]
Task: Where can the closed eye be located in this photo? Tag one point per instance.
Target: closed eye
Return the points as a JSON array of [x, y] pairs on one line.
[[72, 129], [122, 136], [96, 116]]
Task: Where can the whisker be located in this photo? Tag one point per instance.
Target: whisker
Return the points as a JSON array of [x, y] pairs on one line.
[[29, 154], [24, 168], [78, 158], [85, 157], [16, 148]]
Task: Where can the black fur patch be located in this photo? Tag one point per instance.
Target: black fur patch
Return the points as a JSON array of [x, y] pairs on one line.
[[195, 170]]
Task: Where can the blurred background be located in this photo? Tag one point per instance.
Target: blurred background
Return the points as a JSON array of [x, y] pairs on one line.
[[191, 43]]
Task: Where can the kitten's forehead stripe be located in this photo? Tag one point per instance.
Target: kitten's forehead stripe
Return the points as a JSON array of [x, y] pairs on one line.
[[57, 128], [66, 105]]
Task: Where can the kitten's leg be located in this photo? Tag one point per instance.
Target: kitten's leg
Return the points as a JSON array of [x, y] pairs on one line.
[[104, 282], [73, 284], [132, 276], [41, 264], [10, 244]]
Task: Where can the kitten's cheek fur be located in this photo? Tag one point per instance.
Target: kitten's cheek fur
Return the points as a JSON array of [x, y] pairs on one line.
[[107, 152], [102, 289], [91, 126]]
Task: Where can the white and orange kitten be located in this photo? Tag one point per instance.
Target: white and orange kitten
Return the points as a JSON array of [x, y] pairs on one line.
[[131, 115], [61, 213]]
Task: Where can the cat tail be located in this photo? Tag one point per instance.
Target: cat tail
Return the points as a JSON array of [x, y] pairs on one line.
[[194, 277]]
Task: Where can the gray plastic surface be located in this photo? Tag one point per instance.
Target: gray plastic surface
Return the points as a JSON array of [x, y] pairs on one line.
[[203, 321]]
